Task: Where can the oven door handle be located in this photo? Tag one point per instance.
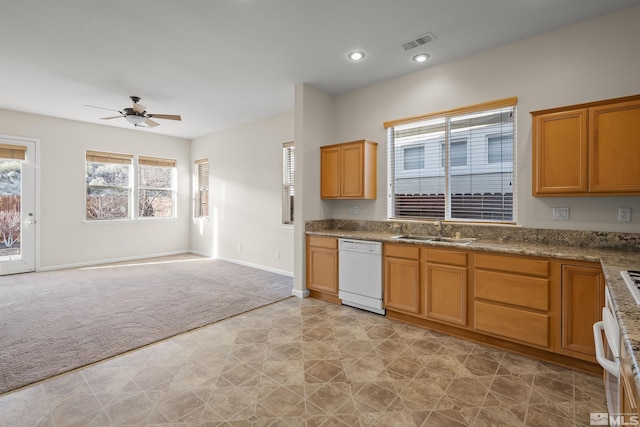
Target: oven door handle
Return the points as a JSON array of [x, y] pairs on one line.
[[613, 367]]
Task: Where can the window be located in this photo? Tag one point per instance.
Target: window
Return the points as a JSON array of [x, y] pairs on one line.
[[468, 171], [499, 148], [109, 185], [11, 159], [413, 157], [156, 187], [201, 208], [288, 174], [457, 153]]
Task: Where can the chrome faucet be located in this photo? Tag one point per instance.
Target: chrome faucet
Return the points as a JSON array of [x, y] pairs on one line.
[[438, 224]]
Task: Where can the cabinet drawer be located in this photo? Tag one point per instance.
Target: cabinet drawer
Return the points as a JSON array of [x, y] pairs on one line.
[[530, 266], [439, 256], [523, 291], [519, 325], [402, 251], [323, 242]]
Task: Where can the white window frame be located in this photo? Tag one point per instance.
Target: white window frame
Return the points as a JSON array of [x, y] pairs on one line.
[[201, 189], [154, 162], [430, 127], [116, 159], [288, 182]]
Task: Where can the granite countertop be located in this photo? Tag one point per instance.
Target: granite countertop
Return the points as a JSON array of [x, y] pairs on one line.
[[612, 261]]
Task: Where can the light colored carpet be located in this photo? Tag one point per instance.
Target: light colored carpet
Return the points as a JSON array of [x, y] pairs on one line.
[[53, 322]]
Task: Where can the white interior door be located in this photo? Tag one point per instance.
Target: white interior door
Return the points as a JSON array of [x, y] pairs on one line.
[[17, 205]]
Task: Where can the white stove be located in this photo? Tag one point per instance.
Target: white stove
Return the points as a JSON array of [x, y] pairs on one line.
[[632, 279]]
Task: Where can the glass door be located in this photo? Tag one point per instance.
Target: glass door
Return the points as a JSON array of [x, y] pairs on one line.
[[17, 205]]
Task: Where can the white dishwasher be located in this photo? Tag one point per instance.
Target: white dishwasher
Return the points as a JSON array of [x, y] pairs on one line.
[[360, 274]]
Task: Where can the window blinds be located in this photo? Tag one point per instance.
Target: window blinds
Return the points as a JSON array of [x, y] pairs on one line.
[[458, 164], [16, 152], [288, 174], [102, 157], [202, 196]]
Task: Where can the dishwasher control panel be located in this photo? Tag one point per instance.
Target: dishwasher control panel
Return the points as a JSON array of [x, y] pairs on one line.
[[362, 246]]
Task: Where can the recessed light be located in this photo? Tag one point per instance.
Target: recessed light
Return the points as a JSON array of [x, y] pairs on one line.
[[356, 55], [421, 57]]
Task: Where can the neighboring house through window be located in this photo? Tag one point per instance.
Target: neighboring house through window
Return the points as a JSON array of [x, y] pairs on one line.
[[288, 174], [454, 165]]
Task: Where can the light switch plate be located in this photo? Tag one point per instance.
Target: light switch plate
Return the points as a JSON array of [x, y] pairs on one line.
[[561, 213]]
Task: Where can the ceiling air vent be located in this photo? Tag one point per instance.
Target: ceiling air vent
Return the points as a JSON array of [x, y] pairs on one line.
[[423, 39]]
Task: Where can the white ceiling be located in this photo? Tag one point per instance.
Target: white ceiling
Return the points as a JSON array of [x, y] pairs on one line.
[[221, 63]]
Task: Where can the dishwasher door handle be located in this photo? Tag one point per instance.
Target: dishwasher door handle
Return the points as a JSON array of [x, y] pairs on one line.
[[613, 367]]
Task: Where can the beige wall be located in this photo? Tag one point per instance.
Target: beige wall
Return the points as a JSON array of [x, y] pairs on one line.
[[589, 61], [245, 195], [65, 238]]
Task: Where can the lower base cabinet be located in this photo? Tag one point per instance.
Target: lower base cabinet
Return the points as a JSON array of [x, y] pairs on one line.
[[322, 267], [445, 286], [544, 307], [402, 278], [582, 302], [424, 282]]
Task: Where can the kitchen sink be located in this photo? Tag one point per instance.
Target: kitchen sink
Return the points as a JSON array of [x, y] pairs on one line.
[[412, 237], [462, 241]]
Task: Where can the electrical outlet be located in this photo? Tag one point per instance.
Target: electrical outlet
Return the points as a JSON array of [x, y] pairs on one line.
[[277, 254], [356, 210], [561, 213], [239, 248], [624, 214]]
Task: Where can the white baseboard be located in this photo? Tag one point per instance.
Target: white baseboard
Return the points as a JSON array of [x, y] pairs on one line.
[[107, 261], [204, 254], [258, 266], [300, 294]]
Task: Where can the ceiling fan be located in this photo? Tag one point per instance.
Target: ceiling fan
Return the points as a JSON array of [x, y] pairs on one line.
[[137, 114]]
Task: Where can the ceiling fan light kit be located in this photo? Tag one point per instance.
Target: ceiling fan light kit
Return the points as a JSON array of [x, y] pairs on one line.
[[135, 120], [137, 114]]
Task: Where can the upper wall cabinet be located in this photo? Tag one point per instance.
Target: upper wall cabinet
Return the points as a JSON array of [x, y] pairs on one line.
[[349, 170], [588, 149]]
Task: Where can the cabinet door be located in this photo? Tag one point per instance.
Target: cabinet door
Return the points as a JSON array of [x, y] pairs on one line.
[[614, 148], [322, 274], [560, 153], [329, 172], [582, 302], [352, 170], [402, 285], [446, 293]]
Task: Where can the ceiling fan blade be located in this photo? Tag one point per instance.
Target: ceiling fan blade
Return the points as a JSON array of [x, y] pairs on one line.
[[102, 108], [151, 123], [112, 117], [138, 108], [166, 116]]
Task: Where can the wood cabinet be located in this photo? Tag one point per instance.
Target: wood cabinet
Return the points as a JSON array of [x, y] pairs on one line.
[[349, 170], [402, 278], [425, 282], [512, 298], [445, 286], [322, 267], [582, 302], [587, 149]]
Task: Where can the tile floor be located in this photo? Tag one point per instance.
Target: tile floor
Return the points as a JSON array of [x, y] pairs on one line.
[[304, 362]]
